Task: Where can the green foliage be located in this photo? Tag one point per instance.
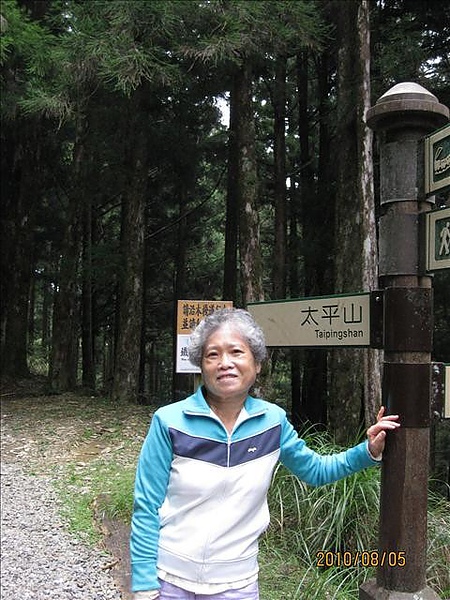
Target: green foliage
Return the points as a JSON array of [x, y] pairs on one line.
[[410, 43], [404, 39], [95, 492], [27, 41], [441, 458], [129, 42], [338, 516], [249, 28], [26, 49], [77, 509], [47, 104], [438, 550]]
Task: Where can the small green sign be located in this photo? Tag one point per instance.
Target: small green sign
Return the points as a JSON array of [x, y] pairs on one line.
[[437, 160], [438, 239]]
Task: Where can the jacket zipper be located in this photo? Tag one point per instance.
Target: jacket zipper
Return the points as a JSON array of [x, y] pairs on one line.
[[228, 448], [229, 435]]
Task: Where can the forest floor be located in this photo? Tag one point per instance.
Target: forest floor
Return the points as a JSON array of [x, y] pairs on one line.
[[50, 435]]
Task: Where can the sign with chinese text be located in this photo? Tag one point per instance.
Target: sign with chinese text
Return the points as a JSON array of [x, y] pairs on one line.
[[339, 320], [438, 239], [189, 315], [437, 160]]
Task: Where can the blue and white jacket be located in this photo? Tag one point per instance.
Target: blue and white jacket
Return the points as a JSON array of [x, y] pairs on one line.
[[200, 500]]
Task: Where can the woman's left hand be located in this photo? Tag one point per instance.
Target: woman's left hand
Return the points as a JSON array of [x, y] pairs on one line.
[[376, 434]]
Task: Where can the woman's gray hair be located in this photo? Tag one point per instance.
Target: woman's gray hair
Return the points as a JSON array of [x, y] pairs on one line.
[[238, 319]]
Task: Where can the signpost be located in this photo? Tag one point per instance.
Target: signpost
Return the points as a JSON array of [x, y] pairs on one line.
[[189, 315], [327, 321], [438, 239], [403, 116], [437, 160]]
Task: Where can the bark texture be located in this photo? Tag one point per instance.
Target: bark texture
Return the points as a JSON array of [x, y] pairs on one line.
[[128, 346], [247, 190], [354, 376]]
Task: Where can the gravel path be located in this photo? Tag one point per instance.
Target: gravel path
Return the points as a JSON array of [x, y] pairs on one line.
[[40, 560]]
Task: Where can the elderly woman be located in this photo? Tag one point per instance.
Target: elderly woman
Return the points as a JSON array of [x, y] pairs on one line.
[[206, 466]]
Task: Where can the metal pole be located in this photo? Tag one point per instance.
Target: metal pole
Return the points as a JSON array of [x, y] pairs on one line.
[[402, 117]]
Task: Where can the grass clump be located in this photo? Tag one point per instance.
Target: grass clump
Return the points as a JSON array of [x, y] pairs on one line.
[[438, 551], [339, 518], [92, 492], [307, 523]]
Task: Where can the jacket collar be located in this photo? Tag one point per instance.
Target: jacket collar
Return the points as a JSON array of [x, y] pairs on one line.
[[196, 404]]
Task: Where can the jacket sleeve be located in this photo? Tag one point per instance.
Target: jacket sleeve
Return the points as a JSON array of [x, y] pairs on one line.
[[319, 469], [152, 477]]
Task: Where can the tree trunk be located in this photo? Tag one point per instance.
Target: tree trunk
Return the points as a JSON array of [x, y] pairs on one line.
[[371, 357], [294, 263], [14, 351], [144, 378], [315, 253], [47, 301], [180, 381], [247, 192], [279, 251], [127, 356], [108, 359], [66, 314], [87, 334], [294, 254], [20, 179], [232, 206], [355, 255], [32, 308]]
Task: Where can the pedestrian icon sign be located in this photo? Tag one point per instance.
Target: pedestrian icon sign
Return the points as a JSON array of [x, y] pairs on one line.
[[438, 239], [444, 244]]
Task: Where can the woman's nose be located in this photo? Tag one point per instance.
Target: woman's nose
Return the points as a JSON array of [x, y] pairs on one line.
[[225, 361]]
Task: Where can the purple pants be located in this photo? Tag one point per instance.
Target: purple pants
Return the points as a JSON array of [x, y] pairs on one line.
[[172, 592]]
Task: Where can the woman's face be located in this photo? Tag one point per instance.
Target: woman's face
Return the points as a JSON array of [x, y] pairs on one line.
[[229, 368]]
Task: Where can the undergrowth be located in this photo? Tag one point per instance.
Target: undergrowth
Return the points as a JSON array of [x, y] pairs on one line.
[[338, 522]]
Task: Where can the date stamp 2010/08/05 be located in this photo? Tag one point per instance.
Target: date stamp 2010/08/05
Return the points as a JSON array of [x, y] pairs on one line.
[[366, 558]]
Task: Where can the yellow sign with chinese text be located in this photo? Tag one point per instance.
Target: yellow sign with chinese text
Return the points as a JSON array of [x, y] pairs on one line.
[[189, 315]]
